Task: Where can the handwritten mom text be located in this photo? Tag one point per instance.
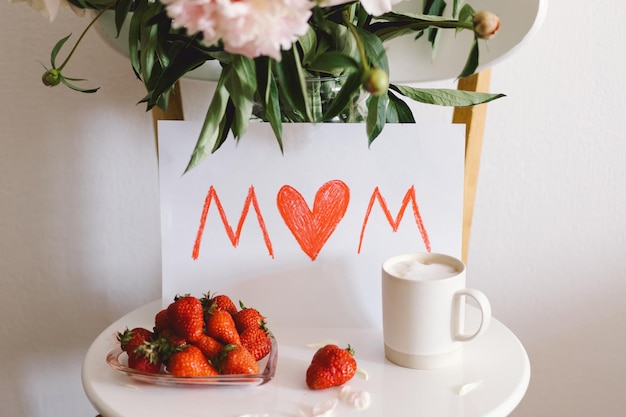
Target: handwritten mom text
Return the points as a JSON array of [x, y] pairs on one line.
[[311, 226]]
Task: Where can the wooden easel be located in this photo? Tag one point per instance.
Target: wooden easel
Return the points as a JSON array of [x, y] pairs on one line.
[[474, 120], [472, 117]]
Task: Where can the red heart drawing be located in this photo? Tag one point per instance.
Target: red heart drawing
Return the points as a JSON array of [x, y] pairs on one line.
[[313, 228]]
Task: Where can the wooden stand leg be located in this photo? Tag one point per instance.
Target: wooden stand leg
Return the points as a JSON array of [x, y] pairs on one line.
[[174, 111], [474, 118]]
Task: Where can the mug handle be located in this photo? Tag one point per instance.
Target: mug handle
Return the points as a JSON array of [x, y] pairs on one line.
[[485, 310]]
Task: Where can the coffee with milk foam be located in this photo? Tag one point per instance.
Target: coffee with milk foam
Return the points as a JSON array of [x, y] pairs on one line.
[[422, 271]]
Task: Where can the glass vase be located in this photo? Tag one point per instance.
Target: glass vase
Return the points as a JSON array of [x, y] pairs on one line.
[[321, 92]]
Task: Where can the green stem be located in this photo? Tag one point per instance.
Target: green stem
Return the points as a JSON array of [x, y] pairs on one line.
[[452, 24], [357, 38], [82, 35], [392, 28]]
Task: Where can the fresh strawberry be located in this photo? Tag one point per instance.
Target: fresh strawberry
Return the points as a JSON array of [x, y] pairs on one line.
[[165, 345], [172, 338], [235, 359], [131, 339], [218, 302], [186, 317], [247, 317], [144, 363], [208, 345], [161, 321], [257, 341], [221, 326], [135, 343], [190, 362], [331, 366]]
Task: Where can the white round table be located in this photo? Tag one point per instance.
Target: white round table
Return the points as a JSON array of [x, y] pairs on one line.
[[490, 382]]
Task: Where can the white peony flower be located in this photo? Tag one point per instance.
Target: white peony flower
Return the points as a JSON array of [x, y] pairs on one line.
[[247, 27]]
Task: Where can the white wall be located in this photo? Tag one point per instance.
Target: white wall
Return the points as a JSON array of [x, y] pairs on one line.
[[79, 220]]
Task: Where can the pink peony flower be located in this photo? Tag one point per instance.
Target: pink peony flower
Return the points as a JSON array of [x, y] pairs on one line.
[[247, 27]]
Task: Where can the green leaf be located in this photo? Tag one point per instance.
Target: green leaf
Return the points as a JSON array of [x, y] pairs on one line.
[[392, 113], [149, 44], [56, 49], [466, 15], [445, 97], [402, 111], [180, 65], [290, 78], [376, 116], [146, 36], [334, 62], [263, 71], [455, 7], [269, 97], [75, 88], [434, 8], [472, 60], [225, 125], [374, 49], [393, 24], [122, 8], [240, 81], [224, 57], [272, 110], [343, 41], [345, 96], [308, 46], [210, 133], [133, 39]]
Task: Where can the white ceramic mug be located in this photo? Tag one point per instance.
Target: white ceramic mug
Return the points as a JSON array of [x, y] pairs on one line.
[[424, 297]]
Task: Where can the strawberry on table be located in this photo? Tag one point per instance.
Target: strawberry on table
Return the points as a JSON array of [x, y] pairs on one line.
[[186, 317], [331, 366], [235, 359], [190, 362]]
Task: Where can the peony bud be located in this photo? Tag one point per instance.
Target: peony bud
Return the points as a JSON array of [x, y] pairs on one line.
[[486, 24], [51, 77], [376, 82]]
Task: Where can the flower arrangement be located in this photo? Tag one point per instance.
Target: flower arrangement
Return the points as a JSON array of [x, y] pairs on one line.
[[269, 48]]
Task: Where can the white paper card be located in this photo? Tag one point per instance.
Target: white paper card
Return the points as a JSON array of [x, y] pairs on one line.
[[302, 235]]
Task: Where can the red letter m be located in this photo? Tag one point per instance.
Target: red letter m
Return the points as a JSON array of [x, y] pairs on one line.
[[233, 236], [408, 197]]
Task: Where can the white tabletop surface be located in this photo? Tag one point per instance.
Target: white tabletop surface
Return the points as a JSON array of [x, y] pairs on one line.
[[495, 365]]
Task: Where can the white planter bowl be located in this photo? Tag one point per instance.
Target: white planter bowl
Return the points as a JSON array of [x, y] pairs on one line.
[[411, 61]]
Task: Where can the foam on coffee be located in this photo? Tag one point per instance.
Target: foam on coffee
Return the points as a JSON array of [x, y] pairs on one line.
[[415, 269]]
